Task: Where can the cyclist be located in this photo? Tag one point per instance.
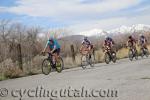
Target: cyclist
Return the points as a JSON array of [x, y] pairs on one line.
[[52, 47], [86, 45], [109, 42], [131, 42], [143, 41]]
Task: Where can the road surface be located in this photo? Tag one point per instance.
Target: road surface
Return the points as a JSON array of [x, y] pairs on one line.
[[124, 80]]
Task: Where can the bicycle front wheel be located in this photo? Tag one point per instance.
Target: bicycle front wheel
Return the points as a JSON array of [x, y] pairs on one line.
[[130, 54], [46, 67], [107, 58], [84, 62], [91, 60], [59, 65]]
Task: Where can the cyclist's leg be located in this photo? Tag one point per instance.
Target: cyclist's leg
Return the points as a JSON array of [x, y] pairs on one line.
[[90, 54], [111, 49], [85, 50], [89, 49], [135, 49], [48, 50], [131, 48], [56, 54], [81, 48]]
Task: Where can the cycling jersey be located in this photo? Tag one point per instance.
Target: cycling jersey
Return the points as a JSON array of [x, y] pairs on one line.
[[143, 40], [108, 42], [55, 43], [131, 42]]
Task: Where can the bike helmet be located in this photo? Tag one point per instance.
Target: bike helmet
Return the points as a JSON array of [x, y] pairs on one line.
[[130, 37], [107, 37], [85, 38], [51, 39], [141, 35]]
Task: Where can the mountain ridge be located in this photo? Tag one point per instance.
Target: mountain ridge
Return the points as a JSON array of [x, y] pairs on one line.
[[121, 30]]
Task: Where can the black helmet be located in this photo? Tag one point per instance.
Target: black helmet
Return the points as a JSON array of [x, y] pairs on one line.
[[130, 37]]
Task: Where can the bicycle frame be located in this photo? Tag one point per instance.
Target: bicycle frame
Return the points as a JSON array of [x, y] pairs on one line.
[[50, 58]]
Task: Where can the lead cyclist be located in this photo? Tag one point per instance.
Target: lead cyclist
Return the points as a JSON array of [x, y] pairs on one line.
[[53, 48]]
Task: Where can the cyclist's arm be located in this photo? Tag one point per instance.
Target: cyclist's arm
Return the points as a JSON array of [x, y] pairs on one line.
[[90, 42], [113, 42], [104, 44], [82, 42], [81, 48]]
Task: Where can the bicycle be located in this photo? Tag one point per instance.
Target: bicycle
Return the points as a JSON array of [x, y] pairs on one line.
[[109, 55], [48, 64], [144, 51], [87, 58], [133, 53]]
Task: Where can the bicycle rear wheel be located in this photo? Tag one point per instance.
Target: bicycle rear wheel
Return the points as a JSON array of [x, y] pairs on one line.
[[146, 52], [46, 67], [107, 58]]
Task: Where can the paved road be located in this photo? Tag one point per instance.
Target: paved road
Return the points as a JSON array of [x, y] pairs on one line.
[[124, 80]]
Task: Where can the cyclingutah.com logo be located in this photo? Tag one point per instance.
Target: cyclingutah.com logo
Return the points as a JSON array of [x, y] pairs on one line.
[[52, 94]]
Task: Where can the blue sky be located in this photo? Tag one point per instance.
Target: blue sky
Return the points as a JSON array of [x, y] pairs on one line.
[[77, 15]]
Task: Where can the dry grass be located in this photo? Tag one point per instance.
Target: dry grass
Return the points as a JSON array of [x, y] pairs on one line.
[[34, 67], [9, 70], [68, 62], [99, 56], [149, 48], [122, 53], [2, 77], [13, 72]]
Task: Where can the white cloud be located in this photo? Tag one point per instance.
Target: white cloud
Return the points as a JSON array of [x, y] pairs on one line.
[[99, 24], [65, 8], [70, 10], [110, 23]]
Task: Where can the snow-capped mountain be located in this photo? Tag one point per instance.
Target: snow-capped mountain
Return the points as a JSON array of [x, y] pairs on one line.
[[94, 32], [140, 28], [132, 29]]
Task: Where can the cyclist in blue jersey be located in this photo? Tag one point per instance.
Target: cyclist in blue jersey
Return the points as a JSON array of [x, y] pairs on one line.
[[52, 47]]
